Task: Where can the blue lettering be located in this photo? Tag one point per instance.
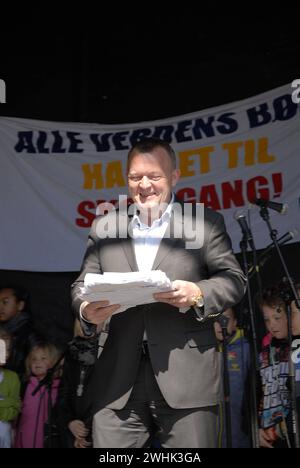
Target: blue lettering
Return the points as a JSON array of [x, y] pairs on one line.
[[205, 127], [74, 142], [230, 125], [259, 115], [139, 134], [118, 139], [25, 143], [101, 142], [41, 141], [58, 143], [164, 132], [284, 107], [181, 129]]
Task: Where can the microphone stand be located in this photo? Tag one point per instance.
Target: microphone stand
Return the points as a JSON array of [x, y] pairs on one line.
[[223, 321], [254, 360], [267, 252], [292, 295], [47, 382]]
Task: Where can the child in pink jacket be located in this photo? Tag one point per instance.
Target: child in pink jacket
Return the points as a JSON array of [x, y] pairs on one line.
[[34, 413]]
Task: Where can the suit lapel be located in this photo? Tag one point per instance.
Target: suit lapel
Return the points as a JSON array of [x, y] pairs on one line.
[[168, 242], [128, 248]]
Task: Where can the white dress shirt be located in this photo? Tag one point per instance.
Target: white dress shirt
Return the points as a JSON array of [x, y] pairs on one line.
[[146, 239]]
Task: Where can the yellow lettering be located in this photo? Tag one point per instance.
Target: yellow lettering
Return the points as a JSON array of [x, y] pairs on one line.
[[92, 176], [114, 174], [249, 152], [186, 162], [233, 153], [263, 156]]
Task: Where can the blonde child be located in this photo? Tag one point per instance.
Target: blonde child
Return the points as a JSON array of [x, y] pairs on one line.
[[30, 433]]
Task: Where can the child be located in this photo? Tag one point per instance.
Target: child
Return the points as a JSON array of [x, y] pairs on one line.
[[296, 342], [73, 419], [30, 433], [16, 321], [238, 369], [9, 393], [274, 412]]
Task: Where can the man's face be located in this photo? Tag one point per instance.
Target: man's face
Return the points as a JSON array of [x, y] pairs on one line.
[[231, 326], [276, 321], [9, 305], [151, 178]]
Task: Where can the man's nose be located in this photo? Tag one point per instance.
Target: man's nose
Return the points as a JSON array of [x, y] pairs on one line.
[[145, 182]]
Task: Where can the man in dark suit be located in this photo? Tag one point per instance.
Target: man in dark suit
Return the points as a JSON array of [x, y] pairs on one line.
[[158, 372]]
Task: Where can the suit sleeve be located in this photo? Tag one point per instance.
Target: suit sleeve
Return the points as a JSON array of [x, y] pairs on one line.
[[226, 282], [90, 264]]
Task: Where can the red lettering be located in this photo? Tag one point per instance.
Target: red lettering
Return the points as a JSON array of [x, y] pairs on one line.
[[254, 189], [187, 195], [232, 195], [87, 216], [209, 197]]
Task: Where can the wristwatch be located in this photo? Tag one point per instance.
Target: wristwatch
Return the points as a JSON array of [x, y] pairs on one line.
[[198, 301]]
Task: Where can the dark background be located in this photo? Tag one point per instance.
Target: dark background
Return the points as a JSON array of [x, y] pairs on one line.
[[92, 65]]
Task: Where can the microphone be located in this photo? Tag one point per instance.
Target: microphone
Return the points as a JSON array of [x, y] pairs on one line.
[[281, 208], [240, 217]]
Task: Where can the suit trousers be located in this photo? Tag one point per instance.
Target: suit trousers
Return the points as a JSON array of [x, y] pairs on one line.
[[147, 416]]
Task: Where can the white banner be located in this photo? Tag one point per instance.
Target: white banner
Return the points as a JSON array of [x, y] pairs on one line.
[[53, 175]]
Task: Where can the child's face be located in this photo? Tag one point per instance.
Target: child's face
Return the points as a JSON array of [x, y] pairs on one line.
[[276, 321], [231, 326], [295, 319], [9, 305], [40, 363]]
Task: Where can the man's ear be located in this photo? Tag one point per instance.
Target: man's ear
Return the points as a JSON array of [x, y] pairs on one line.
[[175, 177], [21, 306]]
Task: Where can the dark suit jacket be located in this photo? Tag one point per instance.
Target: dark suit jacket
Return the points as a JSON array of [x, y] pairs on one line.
[[182, 349]]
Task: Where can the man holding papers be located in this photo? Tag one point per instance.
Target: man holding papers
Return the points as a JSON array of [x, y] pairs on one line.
[[158, 373]]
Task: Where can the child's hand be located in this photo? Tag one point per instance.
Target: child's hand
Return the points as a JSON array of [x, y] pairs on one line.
[[81, 443], [264, 439], [78, 429]]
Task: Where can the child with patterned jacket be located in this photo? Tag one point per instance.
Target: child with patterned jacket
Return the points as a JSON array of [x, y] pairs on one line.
[[275, 405]]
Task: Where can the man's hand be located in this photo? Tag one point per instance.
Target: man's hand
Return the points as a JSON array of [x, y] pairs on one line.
[[182, 295], [98, 312]]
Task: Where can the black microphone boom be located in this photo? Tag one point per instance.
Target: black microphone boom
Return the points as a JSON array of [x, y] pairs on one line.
[[281, 208], [241, 219]]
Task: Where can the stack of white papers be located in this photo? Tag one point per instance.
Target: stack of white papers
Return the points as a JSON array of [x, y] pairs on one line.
[[127, 289]]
